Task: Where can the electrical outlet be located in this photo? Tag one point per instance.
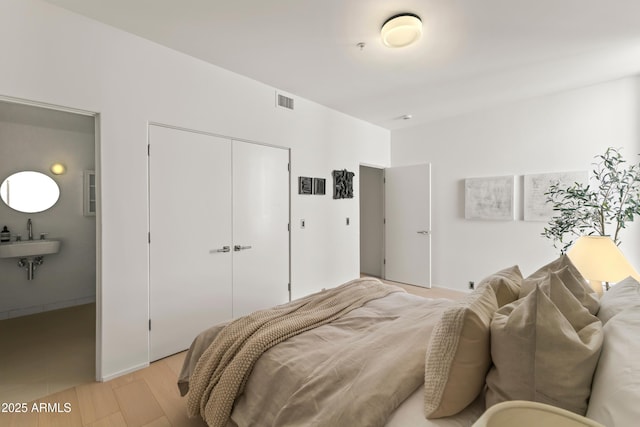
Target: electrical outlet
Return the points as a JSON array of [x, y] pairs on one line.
[[472, 285]]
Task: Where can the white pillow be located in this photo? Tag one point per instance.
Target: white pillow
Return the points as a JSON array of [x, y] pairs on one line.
[[622, 295], [615, 394]]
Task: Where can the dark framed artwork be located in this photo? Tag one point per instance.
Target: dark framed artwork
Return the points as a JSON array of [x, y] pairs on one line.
[[343, 184], [304, 185], [319, 185]]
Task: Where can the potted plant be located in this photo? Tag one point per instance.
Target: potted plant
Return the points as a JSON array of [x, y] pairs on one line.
[[602, 209]]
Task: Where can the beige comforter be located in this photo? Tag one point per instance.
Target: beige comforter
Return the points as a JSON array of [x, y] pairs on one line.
[[354, 370]]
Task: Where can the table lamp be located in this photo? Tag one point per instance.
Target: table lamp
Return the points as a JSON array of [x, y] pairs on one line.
[[599, 260]]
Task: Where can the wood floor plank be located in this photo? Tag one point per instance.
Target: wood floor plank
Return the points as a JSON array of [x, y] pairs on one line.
[[175, 362], [96, 401], [113, 420], [137, 403], [162, 382], [53, 410], [160, 422], [123, 380], [26, 419]]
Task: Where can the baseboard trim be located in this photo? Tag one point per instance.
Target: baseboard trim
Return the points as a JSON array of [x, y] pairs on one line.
[[124, 372], [25, 311]]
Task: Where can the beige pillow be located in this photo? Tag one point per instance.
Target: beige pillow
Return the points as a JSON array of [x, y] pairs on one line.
[[572, 279], [505, 283], [542, 354], [458, 356]]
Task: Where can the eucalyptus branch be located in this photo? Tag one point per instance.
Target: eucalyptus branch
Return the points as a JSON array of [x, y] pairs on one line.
[[582, 209]]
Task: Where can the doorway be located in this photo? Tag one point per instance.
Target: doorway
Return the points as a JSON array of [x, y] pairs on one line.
[[372, 221], [48, 315], [395, 223]]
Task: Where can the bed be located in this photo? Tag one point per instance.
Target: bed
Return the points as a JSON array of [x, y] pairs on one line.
[[369, 354]]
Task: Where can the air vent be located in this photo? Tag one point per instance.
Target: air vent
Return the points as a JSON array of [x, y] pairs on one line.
[[285, 102]]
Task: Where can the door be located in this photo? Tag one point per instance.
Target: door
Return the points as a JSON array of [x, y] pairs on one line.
[[408, 224], [260, 227], [190, 236]]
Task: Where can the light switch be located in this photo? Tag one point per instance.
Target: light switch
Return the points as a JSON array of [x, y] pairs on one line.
[[347, 220], [302, 223]]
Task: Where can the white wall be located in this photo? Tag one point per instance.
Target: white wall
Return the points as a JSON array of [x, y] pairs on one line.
[[554, 133], [57, 57], [33, 139]]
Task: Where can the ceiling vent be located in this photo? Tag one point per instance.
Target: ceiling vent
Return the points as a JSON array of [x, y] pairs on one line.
[[285, 101]]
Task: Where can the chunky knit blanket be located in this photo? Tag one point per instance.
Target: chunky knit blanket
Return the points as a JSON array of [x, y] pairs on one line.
[[222, 371]]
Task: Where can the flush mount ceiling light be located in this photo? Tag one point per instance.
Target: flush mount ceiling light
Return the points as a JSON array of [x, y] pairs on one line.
[[401, 30]]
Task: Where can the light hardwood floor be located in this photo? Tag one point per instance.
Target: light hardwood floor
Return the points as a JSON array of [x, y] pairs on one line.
[[145, 398]]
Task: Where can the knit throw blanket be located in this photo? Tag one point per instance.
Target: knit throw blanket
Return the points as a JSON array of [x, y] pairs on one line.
[[223, 369]]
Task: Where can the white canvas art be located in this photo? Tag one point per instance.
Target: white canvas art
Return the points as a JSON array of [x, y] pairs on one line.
[[535, 185], [489, 198]]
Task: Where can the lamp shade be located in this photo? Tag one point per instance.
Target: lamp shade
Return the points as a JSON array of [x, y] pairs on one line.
[[598, 258]]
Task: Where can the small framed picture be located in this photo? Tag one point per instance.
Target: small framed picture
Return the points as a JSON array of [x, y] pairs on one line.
[[319, 185], [304, 185]]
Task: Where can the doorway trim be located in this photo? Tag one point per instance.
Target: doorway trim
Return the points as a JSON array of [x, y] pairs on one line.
[[97, 158]]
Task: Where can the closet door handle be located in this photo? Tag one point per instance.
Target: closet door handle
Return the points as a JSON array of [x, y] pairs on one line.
[[423, 232], [224, 249], [240, 248]]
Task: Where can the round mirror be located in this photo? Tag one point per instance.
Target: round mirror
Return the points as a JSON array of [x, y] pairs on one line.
[[29, 192]]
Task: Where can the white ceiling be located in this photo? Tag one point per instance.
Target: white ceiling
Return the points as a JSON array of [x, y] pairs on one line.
[[473, 53]]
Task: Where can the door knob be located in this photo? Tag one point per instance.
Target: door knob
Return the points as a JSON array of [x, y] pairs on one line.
[[224, 249], [423, 232], [240, 248]]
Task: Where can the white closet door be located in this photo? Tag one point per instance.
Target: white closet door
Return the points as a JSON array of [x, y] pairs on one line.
[[190, 224], [408, 224], [260, 227]]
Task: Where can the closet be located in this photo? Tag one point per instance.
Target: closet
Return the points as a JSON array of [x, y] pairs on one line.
[[219, 233]]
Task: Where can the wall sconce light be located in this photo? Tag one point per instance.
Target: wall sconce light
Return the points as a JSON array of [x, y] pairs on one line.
[[58, 168], [401, 30]]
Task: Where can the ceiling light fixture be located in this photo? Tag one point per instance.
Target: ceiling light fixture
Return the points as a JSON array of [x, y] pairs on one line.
[[401, 30]]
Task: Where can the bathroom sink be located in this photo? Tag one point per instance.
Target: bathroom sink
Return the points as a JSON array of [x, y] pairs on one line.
[[27, 248]]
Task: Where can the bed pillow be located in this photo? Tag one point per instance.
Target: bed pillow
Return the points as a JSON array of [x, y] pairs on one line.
[[458, 356], [616, 385], [505, 283], [622, 295], [542, 354], [572, 279]]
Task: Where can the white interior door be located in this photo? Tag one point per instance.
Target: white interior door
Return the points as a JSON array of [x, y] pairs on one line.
[[408, 224], [190, 224], [260, 227]]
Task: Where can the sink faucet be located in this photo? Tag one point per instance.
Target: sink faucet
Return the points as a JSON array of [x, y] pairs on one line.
[[30, 228]]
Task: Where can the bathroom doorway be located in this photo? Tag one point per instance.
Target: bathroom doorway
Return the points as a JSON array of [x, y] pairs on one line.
[[48, 304]]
